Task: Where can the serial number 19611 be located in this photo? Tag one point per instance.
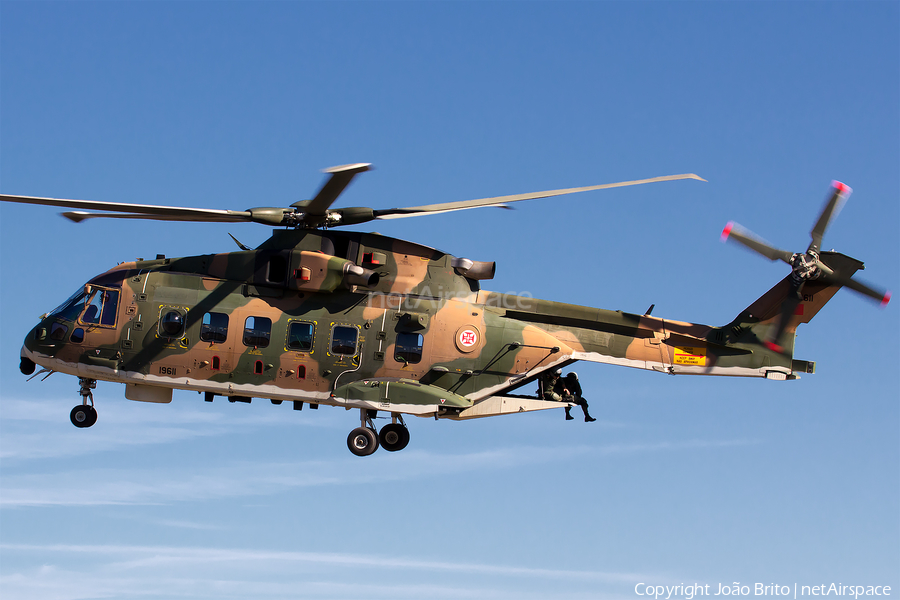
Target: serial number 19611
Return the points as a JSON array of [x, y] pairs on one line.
[[167, 370]]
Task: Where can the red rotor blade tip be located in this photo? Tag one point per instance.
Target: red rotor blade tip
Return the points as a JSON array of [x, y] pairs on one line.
[[886, 299], [727, 231], [843, 188], [774, 347]]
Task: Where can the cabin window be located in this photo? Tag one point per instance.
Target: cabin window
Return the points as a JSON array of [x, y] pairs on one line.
[[343, 340], [257, 331], [258, 367], [102, 306], [214, 328], [216, 363], [408, 348], [277, 270], [171, 324], [301, 372], [300, 336], [58, 332], [77, 336]]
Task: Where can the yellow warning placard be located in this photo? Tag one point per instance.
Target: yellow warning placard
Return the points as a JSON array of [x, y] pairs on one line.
[[687, 355]]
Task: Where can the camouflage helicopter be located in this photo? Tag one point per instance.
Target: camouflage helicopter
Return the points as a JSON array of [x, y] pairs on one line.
[[316, 315]]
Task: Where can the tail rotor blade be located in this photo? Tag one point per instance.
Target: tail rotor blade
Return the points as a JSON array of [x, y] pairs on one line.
[[750, 240], [881, 296], [839, 194], [788, 308]]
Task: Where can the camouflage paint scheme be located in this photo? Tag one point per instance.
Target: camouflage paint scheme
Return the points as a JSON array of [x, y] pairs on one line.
[[476, 347]]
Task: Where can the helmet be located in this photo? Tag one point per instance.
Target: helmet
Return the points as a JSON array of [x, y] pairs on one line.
[[572, 375], [557, 372]]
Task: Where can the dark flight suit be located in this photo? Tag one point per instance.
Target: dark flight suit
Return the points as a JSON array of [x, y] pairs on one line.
[[571, 383], [559, 390]]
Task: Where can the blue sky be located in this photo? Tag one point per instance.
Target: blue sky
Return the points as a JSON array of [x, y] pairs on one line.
[[681, 480]]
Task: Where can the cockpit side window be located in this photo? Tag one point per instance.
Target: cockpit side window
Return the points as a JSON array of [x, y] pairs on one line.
[[92, 313], [110, 308], [102, 307]]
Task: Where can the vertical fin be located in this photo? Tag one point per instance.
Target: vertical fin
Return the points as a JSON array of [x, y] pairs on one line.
[[764, 314]]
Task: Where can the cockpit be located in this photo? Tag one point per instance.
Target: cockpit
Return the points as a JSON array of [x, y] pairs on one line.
[[90, 305]]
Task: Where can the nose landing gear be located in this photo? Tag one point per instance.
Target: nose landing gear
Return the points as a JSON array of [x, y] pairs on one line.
[[84, 415], [364, 440]]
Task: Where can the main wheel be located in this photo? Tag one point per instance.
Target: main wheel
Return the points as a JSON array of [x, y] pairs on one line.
[[362, 441], [83, 415], [393, 437]]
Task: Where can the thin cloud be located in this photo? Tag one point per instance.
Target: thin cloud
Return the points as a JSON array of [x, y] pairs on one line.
[[187, 525], [153, 557], [123, 425], [209, 572], [95, 487]]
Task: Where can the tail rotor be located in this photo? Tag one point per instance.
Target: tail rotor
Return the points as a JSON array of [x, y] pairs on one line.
[[805, 266]]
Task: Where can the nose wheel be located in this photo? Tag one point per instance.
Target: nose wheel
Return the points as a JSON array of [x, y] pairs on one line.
[[84, 415], [364, 440]]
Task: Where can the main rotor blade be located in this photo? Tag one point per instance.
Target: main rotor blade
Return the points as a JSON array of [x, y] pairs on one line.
[[839, 194], [341, 177], [414, 211], [137, 211], [236, 217], [746, 237]]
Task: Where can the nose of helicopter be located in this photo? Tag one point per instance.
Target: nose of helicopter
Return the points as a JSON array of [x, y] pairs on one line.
[[26, 365], [45, 338]]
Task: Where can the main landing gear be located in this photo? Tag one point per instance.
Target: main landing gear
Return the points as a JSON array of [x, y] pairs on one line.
[[84, 414], [363, 440]]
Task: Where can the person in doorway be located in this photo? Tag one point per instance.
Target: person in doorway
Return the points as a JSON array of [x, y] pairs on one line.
[[573, 389], [558, 389], [551, 386]]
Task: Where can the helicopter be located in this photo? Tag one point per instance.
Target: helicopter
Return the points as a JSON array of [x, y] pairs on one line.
[[317, 315]]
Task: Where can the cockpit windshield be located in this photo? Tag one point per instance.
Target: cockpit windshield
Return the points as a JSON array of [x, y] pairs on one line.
[[71, 308]]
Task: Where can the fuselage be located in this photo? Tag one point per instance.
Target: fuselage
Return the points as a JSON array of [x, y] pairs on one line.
[[310, 313]]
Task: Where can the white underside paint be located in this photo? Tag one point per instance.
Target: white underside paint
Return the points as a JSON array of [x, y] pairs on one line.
[[486, 393], [486, 404], [223, 389], [678, 369]]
